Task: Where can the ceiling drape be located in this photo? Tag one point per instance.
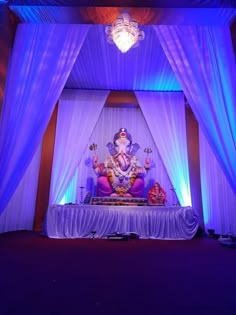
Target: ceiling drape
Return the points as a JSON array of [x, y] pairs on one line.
[[42, 59], [101, 65], [204, 63]]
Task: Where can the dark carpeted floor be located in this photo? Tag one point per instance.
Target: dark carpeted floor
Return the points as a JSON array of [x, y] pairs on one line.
[[84, 276]]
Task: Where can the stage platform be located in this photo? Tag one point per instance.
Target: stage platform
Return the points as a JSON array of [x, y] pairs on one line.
[[149, 222]]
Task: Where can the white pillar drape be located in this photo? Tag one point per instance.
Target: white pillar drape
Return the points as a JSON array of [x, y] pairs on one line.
[[165, 116], [20, 211], [218, 198], [42, 58], [204, 63], [78, 113]]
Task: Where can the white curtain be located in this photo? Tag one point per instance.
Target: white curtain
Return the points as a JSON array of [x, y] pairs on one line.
[[20, 211], [71, 191], [42, 58], [110, 121], [78, 113], [165, 116], [203, 60], [218, 197]]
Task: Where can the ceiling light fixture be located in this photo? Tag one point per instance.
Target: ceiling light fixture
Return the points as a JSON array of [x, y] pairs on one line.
[[124, 32]]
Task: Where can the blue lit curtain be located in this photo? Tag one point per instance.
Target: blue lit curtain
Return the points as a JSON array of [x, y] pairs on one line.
[[70, 195], [41, 61], [78, 113], [20, 211], [203, 61], [165, 116], [218, 198]]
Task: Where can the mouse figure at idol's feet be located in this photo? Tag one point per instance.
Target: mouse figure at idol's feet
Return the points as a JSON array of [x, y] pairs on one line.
[[121, 175]]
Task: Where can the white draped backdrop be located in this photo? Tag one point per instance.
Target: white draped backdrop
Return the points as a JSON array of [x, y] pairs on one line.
[[40, 64], [218, 197], [165, 116], [207, 77], [77, 114], [110, 121], [167, 141]]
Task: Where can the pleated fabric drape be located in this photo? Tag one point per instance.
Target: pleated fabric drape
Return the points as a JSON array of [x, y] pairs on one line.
[[165, 116], [203, 61], [41, 61], [78, 113], [218, 197]]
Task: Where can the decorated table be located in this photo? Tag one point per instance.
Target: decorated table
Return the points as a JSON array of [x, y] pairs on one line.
[[149, 222]]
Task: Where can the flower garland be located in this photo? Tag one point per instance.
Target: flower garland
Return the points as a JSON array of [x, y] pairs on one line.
[[129, 173]]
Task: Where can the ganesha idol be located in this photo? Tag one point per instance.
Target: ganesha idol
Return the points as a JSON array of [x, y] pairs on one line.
[[121, 175]]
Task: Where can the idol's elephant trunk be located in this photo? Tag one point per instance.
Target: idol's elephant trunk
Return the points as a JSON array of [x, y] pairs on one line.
[[123, 161]]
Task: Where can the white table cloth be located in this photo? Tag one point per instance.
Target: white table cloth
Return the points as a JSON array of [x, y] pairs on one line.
[[149, 222]]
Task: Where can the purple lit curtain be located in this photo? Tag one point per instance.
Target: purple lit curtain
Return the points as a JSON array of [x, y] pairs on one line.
[[165, 116], [203, 61], [42, 58], [20, 211], [218, 197], [77, 115]]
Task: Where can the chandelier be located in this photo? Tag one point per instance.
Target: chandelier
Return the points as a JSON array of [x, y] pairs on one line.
[[124, 32]]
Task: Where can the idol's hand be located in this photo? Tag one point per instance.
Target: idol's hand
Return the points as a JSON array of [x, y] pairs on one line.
[[95, 161], [147, 163]]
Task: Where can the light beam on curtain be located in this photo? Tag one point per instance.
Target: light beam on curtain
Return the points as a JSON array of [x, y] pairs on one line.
[[43, 56], [78, 113], [218, 198], [203, 60], [165, 116], [70, 195]]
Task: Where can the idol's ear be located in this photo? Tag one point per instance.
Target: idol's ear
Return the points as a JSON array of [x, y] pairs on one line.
[[111, 148], [134, 148]]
